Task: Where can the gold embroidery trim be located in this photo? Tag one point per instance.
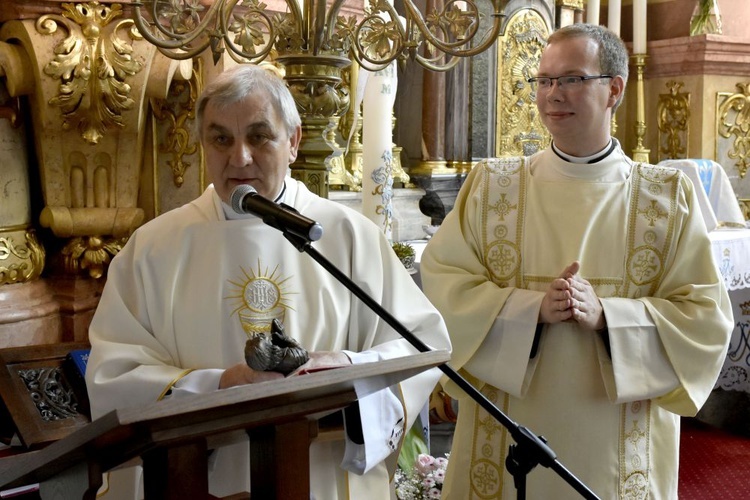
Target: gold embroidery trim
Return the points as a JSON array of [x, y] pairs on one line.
[[172, 383], [489, 445], [635, 452], [502, 218]]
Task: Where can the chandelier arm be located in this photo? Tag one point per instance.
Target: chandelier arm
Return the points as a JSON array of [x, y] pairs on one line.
[[427, 63], [319, 28], [177, 41], [141, 24], [333, 15], [366, 64], [296, 13], [488, 40], [182, 54], [241, 57], [396, 45], [235, 50], [396, 18]]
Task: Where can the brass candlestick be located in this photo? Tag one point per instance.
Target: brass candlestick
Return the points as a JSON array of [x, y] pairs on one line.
[[640, 153]]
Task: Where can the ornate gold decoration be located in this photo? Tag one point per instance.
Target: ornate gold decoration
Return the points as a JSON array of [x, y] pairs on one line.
[[640, 153], [674, 116], [519, 128], [20, 261], [90, 253], [92, 67], [179, 111], [571, 4], [261, 296], [353, 157], [245, 30], [733, 117], [399, 174], [348, 177], [745, 206], [315, 84]]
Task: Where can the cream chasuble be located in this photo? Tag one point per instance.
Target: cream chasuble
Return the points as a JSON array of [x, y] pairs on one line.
[[612, 419], [184, 291]]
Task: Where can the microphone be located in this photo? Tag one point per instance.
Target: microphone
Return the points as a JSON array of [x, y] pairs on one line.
[[246, 200]]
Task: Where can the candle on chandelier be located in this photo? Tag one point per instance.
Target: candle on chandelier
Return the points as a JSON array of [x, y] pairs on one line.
[[639, 26]]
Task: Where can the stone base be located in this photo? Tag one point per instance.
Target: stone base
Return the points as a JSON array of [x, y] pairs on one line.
[[29, 315], [78, 298], [47, 311]]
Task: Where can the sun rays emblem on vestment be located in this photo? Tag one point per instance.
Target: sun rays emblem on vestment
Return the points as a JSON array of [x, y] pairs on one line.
[[261, 297]]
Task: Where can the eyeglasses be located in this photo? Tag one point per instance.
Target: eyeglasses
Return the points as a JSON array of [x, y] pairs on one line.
[[567, 82]]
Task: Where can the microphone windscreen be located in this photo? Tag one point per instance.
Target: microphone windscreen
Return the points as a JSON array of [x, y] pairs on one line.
[[238, 194]]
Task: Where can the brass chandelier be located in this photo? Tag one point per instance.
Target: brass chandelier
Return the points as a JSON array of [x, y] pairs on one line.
[[245, 29]]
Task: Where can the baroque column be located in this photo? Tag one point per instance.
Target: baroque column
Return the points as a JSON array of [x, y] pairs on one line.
[[23, 296]]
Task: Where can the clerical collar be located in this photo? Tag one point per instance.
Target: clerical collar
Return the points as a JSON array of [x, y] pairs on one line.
[[230, 214], [594, 158]]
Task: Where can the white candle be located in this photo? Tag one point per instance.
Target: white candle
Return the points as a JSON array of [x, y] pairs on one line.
[[613, 15], [377, 147], [592, 12], [639, 26]]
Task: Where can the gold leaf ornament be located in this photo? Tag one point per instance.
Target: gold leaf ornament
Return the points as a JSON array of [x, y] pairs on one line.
[[91, 68]]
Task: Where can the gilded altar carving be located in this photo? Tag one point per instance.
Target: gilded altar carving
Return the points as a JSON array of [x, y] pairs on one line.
[[745, 207], [89, 76], [21, 256], [733, 124], [92, 65], [178, 113], [673, 122], [520, 131], [90, 254]]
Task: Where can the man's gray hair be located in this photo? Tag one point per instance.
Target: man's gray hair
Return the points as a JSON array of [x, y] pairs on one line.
[[613, 55], [232, 86]]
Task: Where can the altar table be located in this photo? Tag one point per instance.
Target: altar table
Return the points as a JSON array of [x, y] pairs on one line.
[[731, 250]]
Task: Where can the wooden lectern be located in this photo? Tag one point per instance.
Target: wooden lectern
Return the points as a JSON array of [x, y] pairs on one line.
[[281, 418]]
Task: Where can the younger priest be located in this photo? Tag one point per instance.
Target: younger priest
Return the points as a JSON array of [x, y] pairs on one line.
[[581, 295]]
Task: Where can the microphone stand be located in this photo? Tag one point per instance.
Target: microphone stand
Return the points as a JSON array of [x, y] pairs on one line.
[[529, 450]]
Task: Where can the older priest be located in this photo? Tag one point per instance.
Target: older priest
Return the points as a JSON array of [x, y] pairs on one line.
[[191, 285]]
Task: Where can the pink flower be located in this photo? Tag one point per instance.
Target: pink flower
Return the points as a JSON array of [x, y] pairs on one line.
[[428, 482], [441, 463], [425, 463], [439, 476], [433, 493]]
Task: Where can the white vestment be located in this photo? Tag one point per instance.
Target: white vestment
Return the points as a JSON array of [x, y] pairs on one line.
[[188, 285], [609, 405]]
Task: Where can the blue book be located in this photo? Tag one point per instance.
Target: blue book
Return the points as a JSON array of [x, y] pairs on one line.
[[74, 368]]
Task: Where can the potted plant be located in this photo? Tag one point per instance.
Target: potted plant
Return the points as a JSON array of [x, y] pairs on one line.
[[406, 254]]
